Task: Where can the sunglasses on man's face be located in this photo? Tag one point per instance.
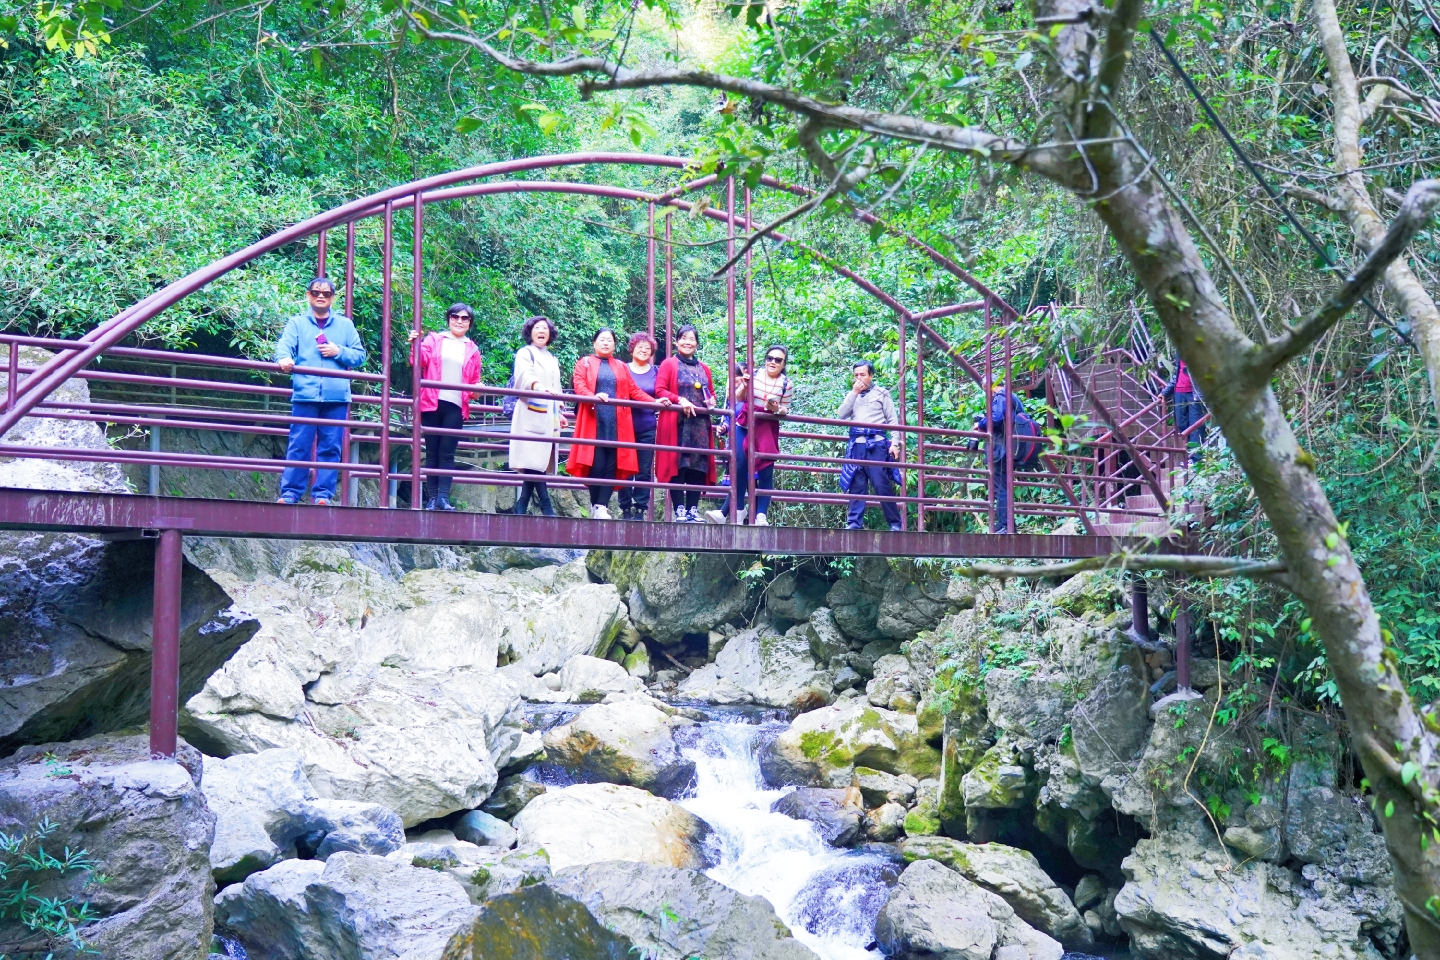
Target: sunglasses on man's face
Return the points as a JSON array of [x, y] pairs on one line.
[[327, 294]]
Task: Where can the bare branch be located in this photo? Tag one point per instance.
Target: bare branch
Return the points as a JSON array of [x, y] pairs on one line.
[[1119, 41], [1324, 201], [1191, 565], [1414, 214]]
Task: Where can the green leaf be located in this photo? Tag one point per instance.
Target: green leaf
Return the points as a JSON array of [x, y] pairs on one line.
[[468, 125], [577, 14], [1389, 809], [1408, 771]]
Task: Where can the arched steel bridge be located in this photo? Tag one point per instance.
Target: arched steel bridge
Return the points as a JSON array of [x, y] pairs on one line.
[[1114, 479]]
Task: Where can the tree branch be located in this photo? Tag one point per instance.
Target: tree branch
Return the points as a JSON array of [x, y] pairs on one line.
[[1119, 40], [1192, 565], [1414, 215], [1322, 200], [1050, 160]]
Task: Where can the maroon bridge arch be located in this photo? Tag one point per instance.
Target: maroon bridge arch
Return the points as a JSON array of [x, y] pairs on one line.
[[1115, 484]]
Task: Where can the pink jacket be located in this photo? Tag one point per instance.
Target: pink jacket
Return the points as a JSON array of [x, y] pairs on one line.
[[428, 348]]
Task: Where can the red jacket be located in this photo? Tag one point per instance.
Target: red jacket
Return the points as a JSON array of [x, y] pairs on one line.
[[582, 456], [428, 348], [667, 430]]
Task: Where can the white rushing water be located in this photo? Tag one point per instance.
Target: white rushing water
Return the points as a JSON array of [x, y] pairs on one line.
[[827, 897]]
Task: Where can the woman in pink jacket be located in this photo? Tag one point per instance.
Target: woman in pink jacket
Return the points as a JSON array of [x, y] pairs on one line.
[[450, 357]]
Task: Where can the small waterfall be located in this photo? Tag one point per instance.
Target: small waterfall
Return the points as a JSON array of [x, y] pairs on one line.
[[828, 897]]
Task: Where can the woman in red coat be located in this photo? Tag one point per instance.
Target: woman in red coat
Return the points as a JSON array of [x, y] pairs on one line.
[[603, 377], [685, 381]]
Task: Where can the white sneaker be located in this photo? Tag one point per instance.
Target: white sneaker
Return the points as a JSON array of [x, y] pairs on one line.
[[681, 515], [692, 515], [760, 520], [715, 516], [599, 513]]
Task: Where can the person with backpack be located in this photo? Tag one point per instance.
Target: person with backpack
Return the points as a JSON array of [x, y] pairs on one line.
[[534, 418], [1189, 407], [1027, 452], [452, 357], [872, 409], [769, 391]]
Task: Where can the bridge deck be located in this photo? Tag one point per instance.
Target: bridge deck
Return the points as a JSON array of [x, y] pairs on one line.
[[129, 515]]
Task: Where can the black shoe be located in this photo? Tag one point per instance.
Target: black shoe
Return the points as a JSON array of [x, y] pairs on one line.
[[440, 503]]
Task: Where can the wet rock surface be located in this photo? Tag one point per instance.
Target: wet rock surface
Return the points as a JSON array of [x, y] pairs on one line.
[[537, 923], [935, 912], [589, 823], [628, 742]]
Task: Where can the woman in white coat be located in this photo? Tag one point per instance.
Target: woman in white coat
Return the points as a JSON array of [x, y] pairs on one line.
[[536, 369]]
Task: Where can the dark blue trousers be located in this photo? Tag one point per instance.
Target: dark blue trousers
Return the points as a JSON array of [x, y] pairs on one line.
[[324, 441], [876, 478]]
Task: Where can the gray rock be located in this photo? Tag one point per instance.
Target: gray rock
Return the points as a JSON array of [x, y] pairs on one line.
[[824, 746], [142, 823], [839, 825], [877, 787], [885, 823], [676, 914], [536, 923], [498, 559], [846, 678], [480, 828], [1258, 844], [1015, 876], [771, 670], [355, 906], [934, 912], [914, 599], [589, 679], [264, 803], [1089, 891], [793, 597], [511, 796], [591, 822], [1111, 725], [630, 741], [75, 635], [1027, 701], [672, 594], [854, 600], [826, 640]]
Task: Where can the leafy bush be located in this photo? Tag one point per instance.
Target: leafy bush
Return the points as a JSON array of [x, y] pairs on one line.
[[26, 868]]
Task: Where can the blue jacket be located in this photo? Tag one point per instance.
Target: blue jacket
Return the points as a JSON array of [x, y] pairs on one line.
[[996, 421], [298, 343]]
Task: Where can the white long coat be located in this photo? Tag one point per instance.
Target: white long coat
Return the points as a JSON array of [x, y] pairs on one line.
[[535, 369]]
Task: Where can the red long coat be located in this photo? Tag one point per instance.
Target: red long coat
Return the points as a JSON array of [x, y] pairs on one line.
[[582, 456], [667, 430]]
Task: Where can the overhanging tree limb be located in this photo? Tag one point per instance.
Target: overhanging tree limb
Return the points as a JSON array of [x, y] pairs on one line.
[[1414, 215], [1191, 565]]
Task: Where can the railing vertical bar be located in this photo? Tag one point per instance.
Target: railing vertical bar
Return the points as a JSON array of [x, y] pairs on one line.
[[320, 255], [350, 269], [416, 321], [165, 647], [154, 467], [650, 276], [920, 421], [1009, 437], [903, 341], [387, 247], [730, 371], [12, 375], [669, 292], [751, 463], [989, 446]]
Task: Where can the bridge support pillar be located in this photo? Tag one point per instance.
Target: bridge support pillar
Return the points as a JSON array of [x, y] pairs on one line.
[[1182, 645], [1139, 608], [165, 648]]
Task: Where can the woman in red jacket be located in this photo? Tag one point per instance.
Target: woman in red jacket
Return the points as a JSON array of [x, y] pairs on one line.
[[685, 381], [451, 357], [603, 377]]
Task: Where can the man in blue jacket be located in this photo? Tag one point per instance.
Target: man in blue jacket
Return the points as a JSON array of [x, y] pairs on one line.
[[318, 339]]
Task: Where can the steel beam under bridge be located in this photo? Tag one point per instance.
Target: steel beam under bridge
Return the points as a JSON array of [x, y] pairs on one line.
[[125, 514]]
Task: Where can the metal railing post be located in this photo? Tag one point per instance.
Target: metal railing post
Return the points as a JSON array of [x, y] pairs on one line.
[[350, 269], [903, 413], [920, 421], [417, 319], [165, 647], [1009, 438], [751, 461], [988, 457], [385, 491], [730, 365], [320, 255], [155, 467]]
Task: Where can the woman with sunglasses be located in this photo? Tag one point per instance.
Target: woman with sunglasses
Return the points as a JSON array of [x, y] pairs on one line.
[[450, 357], [769, 391]]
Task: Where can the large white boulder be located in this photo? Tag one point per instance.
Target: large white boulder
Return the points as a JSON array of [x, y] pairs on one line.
[[776, 671], [935, 912], [630, 741], [392, 690], [591, 822], [352, 906], [823, 747]]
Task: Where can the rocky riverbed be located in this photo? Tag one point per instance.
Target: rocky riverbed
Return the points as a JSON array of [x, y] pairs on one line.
[[434, 753]]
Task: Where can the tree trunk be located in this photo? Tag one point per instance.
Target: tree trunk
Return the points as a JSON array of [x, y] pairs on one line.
[[1350, 114], [1323, 572]]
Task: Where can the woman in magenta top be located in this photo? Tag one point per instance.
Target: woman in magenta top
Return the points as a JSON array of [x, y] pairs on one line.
[[450, 357]]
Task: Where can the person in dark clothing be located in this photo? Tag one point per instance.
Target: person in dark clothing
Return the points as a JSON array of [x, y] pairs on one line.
[[872, 409], [1189, 406], [450, 357], [635, 501], [994, 424]]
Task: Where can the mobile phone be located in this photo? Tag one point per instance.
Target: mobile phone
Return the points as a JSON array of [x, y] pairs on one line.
[[320, 338]]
